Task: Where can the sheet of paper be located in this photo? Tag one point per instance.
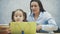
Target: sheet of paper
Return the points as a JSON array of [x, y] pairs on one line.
[[27, 27]]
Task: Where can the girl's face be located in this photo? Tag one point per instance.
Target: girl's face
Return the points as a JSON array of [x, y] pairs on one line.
[[18, 16], [35, 7]]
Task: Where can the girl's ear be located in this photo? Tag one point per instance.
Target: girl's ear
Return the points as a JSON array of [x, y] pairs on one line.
[[13, 15], [23, 18]]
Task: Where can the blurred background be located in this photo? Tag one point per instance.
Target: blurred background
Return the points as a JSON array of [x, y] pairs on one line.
[[7, 6]]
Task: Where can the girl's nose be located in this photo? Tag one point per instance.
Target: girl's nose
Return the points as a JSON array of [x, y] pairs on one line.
[[18, 17]]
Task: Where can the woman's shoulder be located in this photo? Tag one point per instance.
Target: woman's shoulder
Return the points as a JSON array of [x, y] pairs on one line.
[[47, 15], [28, 16]]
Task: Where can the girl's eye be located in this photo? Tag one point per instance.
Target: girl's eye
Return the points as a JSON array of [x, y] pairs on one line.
[[20, 16], [16, 16]]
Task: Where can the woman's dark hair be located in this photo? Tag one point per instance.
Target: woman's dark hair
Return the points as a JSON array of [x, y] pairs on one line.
[[24, 14], [39, 3]]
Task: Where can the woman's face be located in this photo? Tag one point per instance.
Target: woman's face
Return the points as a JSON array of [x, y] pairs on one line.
[[35, 7], [18, 16]]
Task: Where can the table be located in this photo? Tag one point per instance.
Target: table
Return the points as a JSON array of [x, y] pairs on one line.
[[46, 33], [4, 27]]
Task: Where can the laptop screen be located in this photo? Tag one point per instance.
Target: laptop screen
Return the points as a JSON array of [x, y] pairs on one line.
[[26, 27]]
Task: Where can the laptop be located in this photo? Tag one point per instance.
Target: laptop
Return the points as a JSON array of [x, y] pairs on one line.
[[23, 27]]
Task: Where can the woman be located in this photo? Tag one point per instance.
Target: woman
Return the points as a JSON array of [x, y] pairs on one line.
[[45, 22]]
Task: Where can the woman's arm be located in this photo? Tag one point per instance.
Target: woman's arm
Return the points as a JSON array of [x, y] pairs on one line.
[[51, 26]]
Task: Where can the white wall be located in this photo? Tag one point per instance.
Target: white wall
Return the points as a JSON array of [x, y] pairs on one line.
[[7, 6]]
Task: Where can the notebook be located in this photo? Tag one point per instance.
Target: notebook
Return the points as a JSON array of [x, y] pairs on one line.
[[26, 27]]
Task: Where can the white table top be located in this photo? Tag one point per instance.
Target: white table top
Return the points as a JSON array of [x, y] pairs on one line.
[[46, 33]]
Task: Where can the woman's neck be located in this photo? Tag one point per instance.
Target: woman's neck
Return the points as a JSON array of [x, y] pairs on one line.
[[36, 15]]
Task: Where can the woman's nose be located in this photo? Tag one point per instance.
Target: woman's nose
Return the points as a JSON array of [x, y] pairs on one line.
[[33, 7]]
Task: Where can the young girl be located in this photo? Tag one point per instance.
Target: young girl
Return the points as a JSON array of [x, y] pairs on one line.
[[19, 16]]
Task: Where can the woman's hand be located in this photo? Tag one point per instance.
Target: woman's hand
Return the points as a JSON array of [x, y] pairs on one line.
[[39, 27]]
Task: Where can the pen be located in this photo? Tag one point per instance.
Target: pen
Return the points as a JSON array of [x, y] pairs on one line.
[[22, 32]]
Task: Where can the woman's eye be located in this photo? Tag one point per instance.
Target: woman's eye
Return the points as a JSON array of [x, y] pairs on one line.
[[35, 6], [31, 6]]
